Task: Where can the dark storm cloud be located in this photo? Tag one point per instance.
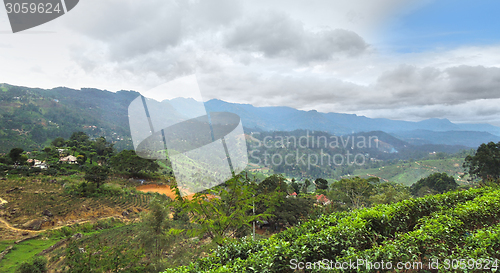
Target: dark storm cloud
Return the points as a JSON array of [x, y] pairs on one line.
[[277, 34]]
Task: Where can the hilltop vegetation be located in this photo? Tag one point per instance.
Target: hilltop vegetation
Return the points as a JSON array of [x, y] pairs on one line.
[[30, 118], [447, 226]]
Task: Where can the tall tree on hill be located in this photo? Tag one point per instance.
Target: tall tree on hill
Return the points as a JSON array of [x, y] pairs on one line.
[[321, 184], [97, 175], [58, 142], [224, 211], [103, 147], [275, 182], [156, 233], [16, 155], [129, 161], [485, 163], [78, 139], [306, 185], [434, 183], [295, 186], [353, 192]]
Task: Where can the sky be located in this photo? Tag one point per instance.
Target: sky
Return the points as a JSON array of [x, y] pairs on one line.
[[397, 59]]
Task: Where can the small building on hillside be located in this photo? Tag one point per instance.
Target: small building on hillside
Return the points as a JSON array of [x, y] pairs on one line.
[[68, 159], [40, 164], [322, 199], [294, 194]]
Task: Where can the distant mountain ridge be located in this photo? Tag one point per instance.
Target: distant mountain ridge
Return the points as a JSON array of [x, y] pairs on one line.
[[281, 118], [31, 117], [341, 123]]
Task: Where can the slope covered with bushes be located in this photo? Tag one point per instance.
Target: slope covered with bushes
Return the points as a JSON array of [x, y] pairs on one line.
[[455, 225]]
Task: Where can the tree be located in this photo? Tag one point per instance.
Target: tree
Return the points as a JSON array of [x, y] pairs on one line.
[[129, 161], [272, 183], [388, 193], [287, 210], [78, 139], [434, 183], [51, 155], [321, 184], [81, 159], [224, 210], [306, 185], [295, 186], [103, 149], [15, 155], [156, 233], [353, 192], [58, 142], [37, 265], [96, 174], [485, 163], [92, 157]]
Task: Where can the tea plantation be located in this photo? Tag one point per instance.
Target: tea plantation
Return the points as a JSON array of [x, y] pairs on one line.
[[457, 231]]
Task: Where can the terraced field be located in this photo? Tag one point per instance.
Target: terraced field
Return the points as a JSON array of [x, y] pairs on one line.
[[28, 198]]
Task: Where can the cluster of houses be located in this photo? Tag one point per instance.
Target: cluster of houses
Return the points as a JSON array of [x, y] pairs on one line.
[[70, 159], [38, 163], [321, 198]]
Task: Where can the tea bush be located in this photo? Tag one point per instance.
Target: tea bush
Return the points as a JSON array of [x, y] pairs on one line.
[[454, 224]]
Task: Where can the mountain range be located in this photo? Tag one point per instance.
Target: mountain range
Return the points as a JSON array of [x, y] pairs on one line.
[[31, 117], [280, 118]]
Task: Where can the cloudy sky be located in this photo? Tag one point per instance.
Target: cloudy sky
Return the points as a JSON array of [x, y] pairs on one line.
[[398, 59]]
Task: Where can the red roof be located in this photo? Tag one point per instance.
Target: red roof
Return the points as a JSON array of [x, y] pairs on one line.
[[322, 198]]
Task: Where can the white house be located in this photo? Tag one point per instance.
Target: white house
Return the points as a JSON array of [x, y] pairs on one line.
[[68, 159]]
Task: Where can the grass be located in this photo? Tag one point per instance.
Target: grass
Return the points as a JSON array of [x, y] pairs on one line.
[[22, 252], [26, 250], [5, 244]]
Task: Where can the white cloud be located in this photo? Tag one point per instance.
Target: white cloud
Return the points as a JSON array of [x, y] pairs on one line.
[[278, 35], [317, 54]]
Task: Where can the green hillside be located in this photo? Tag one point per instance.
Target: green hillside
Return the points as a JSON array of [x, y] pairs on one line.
[[334, 157], [420, 233], [407, 173], [30, 117]]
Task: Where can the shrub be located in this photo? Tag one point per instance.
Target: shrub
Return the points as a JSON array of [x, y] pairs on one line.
[[37, 265]]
